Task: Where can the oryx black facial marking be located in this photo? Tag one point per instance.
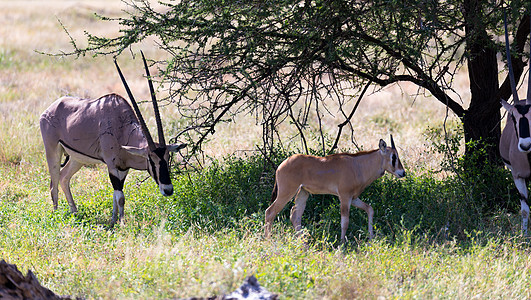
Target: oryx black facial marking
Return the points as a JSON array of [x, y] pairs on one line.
[[164, 172], [160, 174], [523, 126], [154, 169], [522, 109], [514, 124], [521, 123]]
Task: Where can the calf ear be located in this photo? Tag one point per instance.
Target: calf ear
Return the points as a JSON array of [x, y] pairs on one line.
[[175, 147], [383, 146], [136, 151]]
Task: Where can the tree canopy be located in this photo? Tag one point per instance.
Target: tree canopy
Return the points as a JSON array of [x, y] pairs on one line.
[[263, 57]]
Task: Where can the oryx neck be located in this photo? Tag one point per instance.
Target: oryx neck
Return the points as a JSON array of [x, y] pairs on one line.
[[370, 163]]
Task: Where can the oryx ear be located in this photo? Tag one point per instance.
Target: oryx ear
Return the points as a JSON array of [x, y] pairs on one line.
[[175, 147], [506, 105], [136, 151], [383, 146]]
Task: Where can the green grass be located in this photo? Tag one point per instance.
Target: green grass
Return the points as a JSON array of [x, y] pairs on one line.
[[208, 237]]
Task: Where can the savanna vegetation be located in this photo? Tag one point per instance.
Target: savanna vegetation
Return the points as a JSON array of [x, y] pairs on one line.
[[437, 236]]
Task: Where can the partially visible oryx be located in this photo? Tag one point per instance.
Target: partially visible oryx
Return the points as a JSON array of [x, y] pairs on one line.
[[104, 130], [344, 175], [515, 141]]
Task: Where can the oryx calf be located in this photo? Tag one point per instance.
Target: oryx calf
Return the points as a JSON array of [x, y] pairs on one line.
[[515, 141], [104, 130], [344, 175]]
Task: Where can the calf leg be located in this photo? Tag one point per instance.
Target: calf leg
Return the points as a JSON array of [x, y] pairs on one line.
[[284, 194], [370, 213], [345, 212], [524, 207], [298, 208], [71, 167]]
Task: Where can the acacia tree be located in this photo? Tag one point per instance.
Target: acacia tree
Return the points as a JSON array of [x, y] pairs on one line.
[[279, 59]]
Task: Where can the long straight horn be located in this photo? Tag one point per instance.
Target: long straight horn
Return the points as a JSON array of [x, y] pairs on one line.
[[145, 130], [392, 142], [162, 142], [509, 63], [528, 99]]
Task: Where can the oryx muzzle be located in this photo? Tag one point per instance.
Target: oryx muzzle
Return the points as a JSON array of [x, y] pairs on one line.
[[104, 130]]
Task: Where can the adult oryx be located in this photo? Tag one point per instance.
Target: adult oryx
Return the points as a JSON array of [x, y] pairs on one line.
[[344, 175], [515, 141], [104, 130]]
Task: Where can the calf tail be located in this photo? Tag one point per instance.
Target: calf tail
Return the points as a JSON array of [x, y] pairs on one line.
[[275, 191]]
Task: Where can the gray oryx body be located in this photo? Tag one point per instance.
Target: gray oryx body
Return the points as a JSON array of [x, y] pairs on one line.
[[515, 141], [104, 130]]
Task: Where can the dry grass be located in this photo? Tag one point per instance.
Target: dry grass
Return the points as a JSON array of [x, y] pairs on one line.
[[31, 81]]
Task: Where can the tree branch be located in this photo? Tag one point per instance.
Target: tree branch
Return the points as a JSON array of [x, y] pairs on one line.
[[347, 120]]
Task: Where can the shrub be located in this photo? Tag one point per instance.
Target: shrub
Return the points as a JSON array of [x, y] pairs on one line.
[[221, 194], [433, 209]]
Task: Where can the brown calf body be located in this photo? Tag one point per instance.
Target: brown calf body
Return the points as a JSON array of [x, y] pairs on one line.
[[344, 175]]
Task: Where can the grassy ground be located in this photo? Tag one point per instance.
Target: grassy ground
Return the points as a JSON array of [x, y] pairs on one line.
[[174, 247], [146, 258]]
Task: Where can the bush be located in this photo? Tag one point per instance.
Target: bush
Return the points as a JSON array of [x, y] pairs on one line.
[[433, 209], [222, 194]]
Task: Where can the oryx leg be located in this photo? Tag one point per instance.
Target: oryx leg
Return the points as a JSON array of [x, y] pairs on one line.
[[117, 180], [284, 194], [53, 158], [298, 208], [370, 213], [71, 167], [524, 207]]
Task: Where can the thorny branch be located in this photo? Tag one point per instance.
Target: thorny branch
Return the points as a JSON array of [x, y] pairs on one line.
[[283, 60]]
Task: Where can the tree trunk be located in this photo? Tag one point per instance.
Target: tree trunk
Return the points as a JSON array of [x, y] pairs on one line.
[[481, 122]]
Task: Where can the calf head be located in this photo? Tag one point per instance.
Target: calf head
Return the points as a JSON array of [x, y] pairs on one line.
[[391, 162]]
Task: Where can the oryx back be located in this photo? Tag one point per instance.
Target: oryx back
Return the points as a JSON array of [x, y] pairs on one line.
[[92, 130]]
